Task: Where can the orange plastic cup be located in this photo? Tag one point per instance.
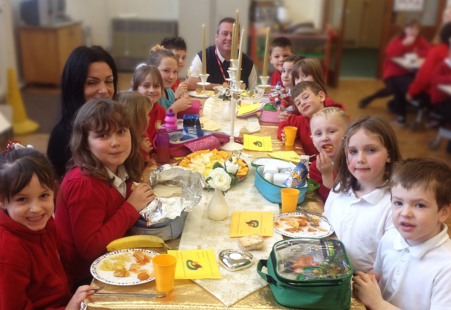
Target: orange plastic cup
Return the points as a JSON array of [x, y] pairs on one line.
[[164, 268], [289, 199], [290, 135]]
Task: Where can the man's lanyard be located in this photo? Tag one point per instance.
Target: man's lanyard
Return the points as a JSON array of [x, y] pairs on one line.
[[220, 66]]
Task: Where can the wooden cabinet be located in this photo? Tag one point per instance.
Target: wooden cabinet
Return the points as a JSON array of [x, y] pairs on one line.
[[46, 49]]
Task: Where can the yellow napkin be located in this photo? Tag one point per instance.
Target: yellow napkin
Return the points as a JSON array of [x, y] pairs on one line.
[[286, 155], [245, 103], [249, 223], [254, 143], [196, 264], [208, 124], [248, 109]]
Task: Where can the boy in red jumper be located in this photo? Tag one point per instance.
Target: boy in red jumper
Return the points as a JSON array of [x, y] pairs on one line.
[[31, 250], [280, 49], [309, 98], [328, 127]]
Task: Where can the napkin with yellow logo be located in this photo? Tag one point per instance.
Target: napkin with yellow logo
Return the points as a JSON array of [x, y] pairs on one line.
[[196, 264], [254, 143], [249, 223]]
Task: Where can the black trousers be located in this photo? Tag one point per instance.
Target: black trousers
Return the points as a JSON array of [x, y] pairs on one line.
[[400, 85], [443, 109]]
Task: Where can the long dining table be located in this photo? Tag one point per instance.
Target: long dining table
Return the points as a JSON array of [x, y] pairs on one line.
[[187, 294]]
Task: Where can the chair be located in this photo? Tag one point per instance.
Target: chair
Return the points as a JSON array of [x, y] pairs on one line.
[[434, 144]]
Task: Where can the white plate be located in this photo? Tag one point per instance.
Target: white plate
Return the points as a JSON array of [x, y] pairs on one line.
[[108, 276], [194, 94], [324, 224]]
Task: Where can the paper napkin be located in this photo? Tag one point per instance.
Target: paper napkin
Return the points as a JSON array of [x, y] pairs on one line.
[[249, 223], [254, 143], [196, 264]]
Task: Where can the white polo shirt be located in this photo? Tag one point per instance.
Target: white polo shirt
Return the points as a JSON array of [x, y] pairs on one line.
[[360, 223], [416, 277], [196, 69], [119, 180]]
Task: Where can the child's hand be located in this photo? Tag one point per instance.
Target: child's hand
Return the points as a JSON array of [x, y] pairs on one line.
[[181, 89], [141, 196], [408, 40], [181, 105], [367, 290], [282, 135], [324, 164], [283, 116], [81, 293], [146, 145]]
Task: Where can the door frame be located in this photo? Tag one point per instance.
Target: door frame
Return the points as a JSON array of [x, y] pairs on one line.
[[389, 30]]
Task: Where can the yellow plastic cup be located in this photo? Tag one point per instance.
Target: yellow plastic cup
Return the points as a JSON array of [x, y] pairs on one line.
[[289, 199], [164, 268], [290, 135]]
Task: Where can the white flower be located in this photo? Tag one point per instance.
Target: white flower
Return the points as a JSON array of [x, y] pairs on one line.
[[231, 168], [219, 179]]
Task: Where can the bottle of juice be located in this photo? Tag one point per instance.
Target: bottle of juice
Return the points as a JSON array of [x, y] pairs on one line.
[[170, 121], [162, 145]]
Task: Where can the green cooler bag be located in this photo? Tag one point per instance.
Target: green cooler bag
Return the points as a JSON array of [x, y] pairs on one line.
[[309, 273]]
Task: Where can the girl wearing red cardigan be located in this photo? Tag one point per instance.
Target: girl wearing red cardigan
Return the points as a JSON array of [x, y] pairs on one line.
[[396, 77], [31, 250], [95, 204]]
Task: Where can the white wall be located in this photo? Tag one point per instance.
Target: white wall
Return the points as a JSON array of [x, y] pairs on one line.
[[306, 11]]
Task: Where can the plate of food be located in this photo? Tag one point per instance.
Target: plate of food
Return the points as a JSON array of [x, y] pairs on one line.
[[124, 267], [201, 94], [203, 161], [296, 225]]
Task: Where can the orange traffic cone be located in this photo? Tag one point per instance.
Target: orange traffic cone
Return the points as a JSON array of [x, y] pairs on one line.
[[21, 124]]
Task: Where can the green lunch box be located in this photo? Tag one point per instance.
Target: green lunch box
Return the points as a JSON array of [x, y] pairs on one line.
[[271, 191], [309, 273]]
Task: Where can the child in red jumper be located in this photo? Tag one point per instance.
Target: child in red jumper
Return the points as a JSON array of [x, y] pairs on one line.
[[440, 100], [147, 81], [280, 49], [95, 204], [327, 126], [31, 250], [138, 108], [178, 47], [437, 54], [309, 98]]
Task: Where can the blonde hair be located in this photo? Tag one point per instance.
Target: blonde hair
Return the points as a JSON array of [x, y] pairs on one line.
[[331, 112], [137, 107], [158, 53], [311, 67]]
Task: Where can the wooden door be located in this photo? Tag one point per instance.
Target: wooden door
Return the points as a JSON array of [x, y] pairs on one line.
[[334, 14], [430, 18]]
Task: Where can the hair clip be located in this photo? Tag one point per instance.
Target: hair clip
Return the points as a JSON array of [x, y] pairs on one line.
[[141, 65], [157, 47], [15, 145]]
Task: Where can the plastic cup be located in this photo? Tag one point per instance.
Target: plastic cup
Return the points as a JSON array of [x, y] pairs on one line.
[[164, 269], [289, 199], [290, 135]]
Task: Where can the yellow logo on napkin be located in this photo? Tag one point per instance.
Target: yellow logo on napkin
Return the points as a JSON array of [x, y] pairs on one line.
[[254, 143], [196, 264], [248, 109], [286, 155], [249, 223]]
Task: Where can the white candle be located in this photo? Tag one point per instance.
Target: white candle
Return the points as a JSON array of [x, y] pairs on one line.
[[265, 61], [241, 56], [232, 54], [204, 54]]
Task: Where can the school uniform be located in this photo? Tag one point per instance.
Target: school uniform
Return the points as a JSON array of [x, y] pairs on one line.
[[317, 176], [156, 118], [441, 101], [89, 215], [415, 277], [360, 223], [167, 102], [303, 125], [276, 77], [176, 84], [31, 272]]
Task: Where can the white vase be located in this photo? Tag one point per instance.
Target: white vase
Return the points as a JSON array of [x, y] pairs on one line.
[[218, 209], [226, 112]]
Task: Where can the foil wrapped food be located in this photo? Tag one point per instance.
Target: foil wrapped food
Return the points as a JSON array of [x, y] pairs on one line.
[[163, 209]]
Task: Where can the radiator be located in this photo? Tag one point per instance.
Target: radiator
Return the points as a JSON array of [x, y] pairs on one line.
[[133, 38]]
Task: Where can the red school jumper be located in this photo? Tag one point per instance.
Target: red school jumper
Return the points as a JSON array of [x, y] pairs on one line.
[[276, 77], [423, 78], [31, 273], [441, 75], [176, 84], [397, 49], [316, 176], [89, 215], [156, 118], [303, 125]]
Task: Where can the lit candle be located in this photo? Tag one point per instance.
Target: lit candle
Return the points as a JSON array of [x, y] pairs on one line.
[[241, 56], [265, 62], [204, 54], [232, 54]]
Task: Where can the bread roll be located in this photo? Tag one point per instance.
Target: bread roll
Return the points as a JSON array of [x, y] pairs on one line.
[[251, 243]]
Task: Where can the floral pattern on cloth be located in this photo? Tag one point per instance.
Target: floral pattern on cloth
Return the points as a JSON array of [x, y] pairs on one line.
[[213, 110], [200, 232]]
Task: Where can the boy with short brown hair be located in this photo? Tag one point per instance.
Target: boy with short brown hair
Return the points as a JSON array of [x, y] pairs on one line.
[[309, 98], [279, 50], [415, 258]]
